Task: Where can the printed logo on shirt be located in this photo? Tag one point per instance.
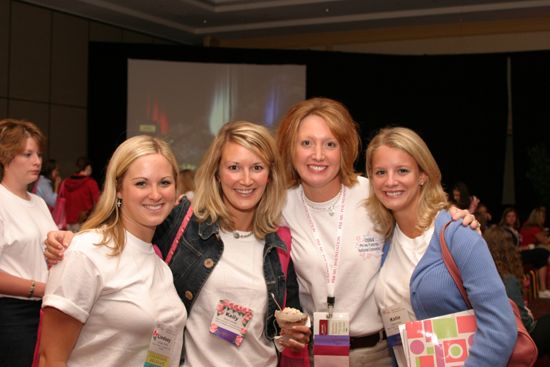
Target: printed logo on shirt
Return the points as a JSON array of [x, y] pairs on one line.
[[369, 247]]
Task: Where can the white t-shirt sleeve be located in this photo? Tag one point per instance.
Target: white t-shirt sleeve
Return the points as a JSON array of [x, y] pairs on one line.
[[2, 239], [73, 286]]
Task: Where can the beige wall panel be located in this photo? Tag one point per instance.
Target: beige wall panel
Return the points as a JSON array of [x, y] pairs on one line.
[[134, 37], [30, 53], [3, 108], [68, 137], [69, 60], [531, 41], [4, 46], [33, 111], [100, 32]]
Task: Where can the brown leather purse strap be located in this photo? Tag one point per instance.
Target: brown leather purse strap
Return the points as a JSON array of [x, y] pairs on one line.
[[451, 265]]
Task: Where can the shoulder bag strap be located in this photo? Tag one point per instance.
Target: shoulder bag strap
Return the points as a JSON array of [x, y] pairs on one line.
[[451, 265], [284, 256], [179, 233]]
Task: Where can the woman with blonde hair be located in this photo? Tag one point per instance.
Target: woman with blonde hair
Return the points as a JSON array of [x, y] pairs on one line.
[[24, 222], [408, 206], [228, 256], [533, 231], [226, 266], [112, 301]]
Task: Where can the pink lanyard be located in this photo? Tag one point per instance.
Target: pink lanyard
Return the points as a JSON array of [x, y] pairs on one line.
[[331, 273]]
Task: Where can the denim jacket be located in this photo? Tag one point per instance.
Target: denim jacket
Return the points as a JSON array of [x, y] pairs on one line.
[[199, 250]]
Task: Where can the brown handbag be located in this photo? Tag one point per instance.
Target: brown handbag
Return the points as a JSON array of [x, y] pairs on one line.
[[525, 351]]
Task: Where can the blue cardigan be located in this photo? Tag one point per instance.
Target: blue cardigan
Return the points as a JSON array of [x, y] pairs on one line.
[[434, 293]]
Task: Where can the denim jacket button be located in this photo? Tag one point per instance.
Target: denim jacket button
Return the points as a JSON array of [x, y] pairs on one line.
[[208, 263], [188, 295]]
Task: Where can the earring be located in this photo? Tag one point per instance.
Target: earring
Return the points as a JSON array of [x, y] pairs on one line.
[[118, 202]]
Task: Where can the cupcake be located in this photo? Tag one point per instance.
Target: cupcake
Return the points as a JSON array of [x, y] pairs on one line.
[[289, 317]]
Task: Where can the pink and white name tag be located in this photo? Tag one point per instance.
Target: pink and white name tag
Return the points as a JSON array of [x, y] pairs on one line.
[[230, 322], [160, 347], [331, 341]]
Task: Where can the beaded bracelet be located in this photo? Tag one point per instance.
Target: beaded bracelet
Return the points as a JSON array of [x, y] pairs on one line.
[[31, 290]]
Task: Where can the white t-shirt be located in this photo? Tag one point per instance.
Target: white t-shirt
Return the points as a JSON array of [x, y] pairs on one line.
[[393, 286], [24, 225], [119, 299], [361, 253], [238, 277]]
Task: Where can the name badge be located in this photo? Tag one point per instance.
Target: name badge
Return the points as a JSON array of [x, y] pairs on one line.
[[331, 341], [392, 317], [161, 345], [230, 322]]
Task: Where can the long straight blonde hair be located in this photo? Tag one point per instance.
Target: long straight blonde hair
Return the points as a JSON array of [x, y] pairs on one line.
[[106, 215]]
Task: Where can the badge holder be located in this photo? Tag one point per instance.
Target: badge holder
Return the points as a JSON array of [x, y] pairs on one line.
[[160, 347], [230, 322], [331, 341], [392, 317]]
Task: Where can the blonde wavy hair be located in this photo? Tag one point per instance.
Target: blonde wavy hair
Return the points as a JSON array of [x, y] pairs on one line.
[[341, 125], [106, 215], [208, 200], [432, 197], [536, 218]]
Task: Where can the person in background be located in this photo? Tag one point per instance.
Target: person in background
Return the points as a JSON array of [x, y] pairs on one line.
[[510, 220], [461, 198], [228, 252], [186, 185], [47, 185], [112, 298], [533, 231], [531, 257], [25, 221], [336, 251], [409, 208], [483, 216], [82, 194], [535, 242], [503, 249]]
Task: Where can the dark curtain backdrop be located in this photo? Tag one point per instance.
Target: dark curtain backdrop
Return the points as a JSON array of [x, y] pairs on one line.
[[457, 103], [531, 111]]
